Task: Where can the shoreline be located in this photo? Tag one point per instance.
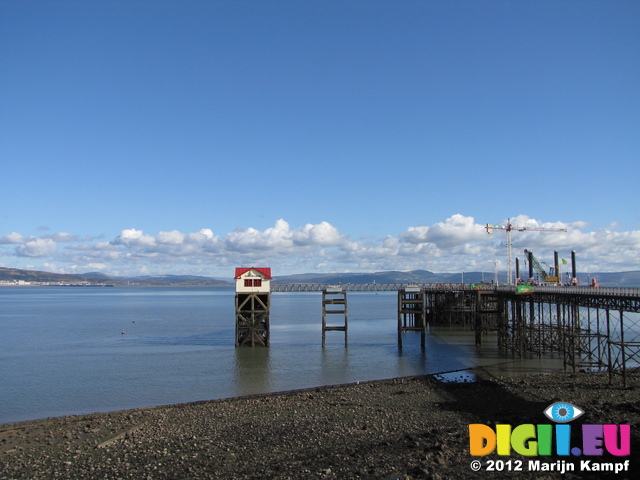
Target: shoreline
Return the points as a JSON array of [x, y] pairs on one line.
[[507, 367], [410, 427]]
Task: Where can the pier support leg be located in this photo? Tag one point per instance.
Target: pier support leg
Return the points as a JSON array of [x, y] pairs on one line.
[[412, 313], [336, 300], [252, 319]]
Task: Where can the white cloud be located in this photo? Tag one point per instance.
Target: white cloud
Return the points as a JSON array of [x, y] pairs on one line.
[[280, 239], [132, 237], [40, 247], [455, 230], [12, 238], [457, 243], [170, 238], [415, 234], [252, 240], [323, 234], [201, 236]]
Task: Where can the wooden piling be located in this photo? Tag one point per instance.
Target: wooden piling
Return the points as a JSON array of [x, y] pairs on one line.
[[252, 319], [412, 309], [334, 296]]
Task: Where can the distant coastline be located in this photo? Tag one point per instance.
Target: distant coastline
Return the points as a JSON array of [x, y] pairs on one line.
[[18, 277]]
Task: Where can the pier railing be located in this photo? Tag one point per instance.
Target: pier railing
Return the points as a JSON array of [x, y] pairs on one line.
[[603, 291], [347, 287], [370, 287], [452, 287]]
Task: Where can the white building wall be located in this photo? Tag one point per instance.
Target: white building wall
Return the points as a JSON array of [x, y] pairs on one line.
[[252, 275]]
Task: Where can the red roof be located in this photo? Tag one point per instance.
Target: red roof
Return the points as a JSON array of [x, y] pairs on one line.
[[264, 271]]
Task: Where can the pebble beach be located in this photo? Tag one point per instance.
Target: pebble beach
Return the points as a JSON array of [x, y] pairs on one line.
[[405, 428]]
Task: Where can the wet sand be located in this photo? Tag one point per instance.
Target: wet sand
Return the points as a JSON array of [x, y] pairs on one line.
[[391, 429]]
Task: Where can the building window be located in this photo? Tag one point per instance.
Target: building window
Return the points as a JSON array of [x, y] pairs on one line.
[[257, 282], [248, 282]]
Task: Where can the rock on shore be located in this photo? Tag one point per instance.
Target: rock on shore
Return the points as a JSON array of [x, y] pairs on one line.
[[392, 429]]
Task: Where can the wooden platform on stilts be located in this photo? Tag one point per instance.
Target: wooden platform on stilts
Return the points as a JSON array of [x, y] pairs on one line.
[[252, 319]]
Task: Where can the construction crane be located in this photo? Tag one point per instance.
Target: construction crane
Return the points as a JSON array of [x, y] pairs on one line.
[[509, 228]]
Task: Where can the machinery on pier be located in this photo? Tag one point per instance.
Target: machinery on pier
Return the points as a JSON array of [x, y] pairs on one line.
[[508, 228], [550, 278]]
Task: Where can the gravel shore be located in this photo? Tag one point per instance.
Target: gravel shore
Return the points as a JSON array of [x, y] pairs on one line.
[[392, 429]]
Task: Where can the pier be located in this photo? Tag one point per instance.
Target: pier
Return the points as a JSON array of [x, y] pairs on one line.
[[590, 328]]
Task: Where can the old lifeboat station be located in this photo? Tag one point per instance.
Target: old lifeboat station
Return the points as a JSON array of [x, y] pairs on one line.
[[253, 300]]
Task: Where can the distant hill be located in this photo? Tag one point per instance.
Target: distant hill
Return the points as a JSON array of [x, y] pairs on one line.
[[617, 279], [174, 280], [10, 274], [620, 279], [35, 276]]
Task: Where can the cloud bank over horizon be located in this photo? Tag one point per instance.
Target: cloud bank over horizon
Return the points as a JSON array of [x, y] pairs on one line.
[[455, 244]]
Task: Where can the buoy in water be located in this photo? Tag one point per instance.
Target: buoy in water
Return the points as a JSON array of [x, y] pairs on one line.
[[122, 333]]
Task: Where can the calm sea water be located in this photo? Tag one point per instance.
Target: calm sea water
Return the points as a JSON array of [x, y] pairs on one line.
[[63, 350]]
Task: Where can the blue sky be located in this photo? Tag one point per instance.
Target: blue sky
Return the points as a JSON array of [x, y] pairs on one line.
[[196, 136]]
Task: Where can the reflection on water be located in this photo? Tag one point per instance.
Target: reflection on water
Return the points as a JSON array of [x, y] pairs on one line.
[[486, 360], [71, 351], [450, 352], [252, 371]]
